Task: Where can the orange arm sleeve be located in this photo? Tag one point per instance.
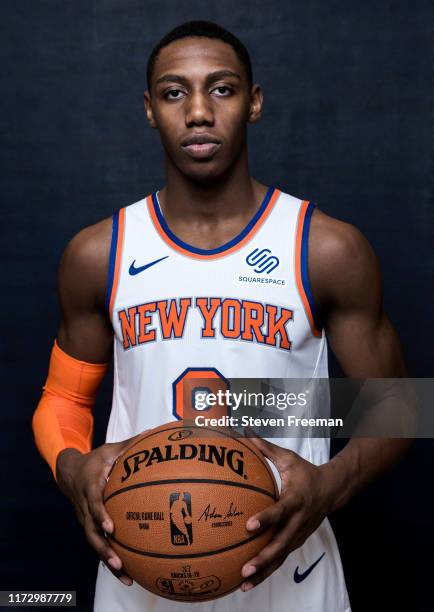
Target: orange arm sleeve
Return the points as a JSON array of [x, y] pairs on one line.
[[63, 417]]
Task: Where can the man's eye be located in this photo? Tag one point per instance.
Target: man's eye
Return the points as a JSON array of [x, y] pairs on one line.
[[176, 94], [224, 87], [172, 91]]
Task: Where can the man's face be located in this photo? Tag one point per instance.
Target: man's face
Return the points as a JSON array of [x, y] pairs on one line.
[[200, 103]]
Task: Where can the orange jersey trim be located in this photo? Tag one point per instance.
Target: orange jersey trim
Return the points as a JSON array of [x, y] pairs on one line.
[[117, 246]]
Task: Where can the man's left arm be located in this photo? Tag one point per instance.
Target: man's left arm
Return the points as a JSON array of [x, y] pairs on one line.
[[347, 278], [347, 287]]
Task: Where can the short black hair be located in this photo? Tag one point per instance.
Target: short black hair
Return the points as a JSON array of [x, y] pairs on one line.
[[207, 29]]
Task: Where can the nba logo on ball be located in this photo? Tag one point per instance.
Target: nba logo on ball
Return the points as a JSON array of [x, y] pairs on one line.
[[181, 531]]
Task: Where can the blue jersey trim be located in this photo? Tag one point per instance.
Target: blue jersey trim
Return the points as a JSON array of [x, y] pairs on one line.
[[304, 265], [112, 259], [222, 248]]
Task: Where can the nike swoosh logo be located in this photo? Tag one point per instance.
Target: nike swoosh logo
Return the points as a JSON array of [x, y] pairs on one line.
[[300, 577], [133, 271]]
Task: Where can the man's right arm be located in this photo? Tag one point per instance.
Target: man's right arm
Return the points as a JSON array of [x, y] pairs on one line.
[[83, 348], [85, 331]]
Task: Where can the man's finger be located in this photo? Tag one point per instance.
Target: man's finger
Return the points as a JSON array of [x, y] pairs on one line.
[[121, 575], [261, 576], [96, 539], [107, 555], [277, 547], [270, 516], [98, 510]]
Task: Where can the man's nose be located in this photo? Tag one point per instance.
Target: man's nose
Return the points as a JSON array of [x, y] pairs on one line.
[[199, 109]]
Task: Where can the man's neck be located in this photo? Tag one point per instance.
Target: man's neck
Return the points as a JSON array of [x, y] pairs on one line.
[[209, 215]]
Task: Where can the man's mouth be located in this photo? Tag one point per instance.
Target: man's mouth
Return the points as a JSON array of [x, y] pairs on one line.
[[201, 150]]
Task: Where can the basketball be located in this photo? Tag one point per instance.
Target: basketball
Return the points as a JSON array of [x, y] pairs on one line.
[[180, 497]]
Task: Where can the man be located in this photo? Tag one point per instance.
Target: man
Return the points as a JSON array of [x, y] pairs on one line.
[[171, 283]]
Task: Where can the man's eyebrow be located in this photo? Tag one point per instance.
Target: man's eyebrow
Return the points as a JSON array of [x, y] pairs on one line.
[[212, 76]]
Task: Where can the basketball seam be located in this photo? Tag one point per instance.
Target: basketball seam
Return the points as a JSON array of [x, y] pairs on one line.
[[229, 483], [255, 453], [186, 555]]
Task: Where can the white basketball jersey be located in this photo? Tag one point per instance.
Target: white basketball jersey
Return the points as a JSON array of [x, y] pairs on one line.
[[242, 310]]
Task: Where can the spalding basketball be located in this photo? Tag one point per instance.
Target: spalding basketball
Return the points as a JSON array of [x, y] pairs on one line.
[[180, 497]]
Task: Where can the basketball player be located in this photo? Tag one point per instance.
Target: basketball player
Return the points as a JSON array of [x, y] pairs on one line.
[[168, 285]]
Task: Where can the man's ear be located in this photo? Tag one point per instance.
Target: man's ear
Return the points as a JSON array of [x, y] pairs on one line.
[[256, 103], [148, 109]]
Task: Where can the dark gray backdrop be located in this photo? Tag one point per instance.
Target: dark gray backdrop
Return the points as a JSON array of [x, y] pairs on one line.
[[347, 123]]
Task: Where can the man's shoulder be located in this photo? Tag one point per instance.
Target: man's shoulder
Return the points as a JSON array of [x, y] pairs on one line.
[[91, 245], [330, 239], [333, 238], [84, 264], [340, 256]]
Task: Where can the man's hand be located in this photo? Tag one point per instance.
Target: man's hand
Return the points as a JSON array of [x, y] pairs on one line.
[[301, 508], [82, 478]]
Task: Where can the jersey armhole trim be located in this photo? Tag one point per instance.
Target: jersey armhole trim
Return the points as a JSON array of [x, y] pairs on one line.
[[115, 258], [301, 267]]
